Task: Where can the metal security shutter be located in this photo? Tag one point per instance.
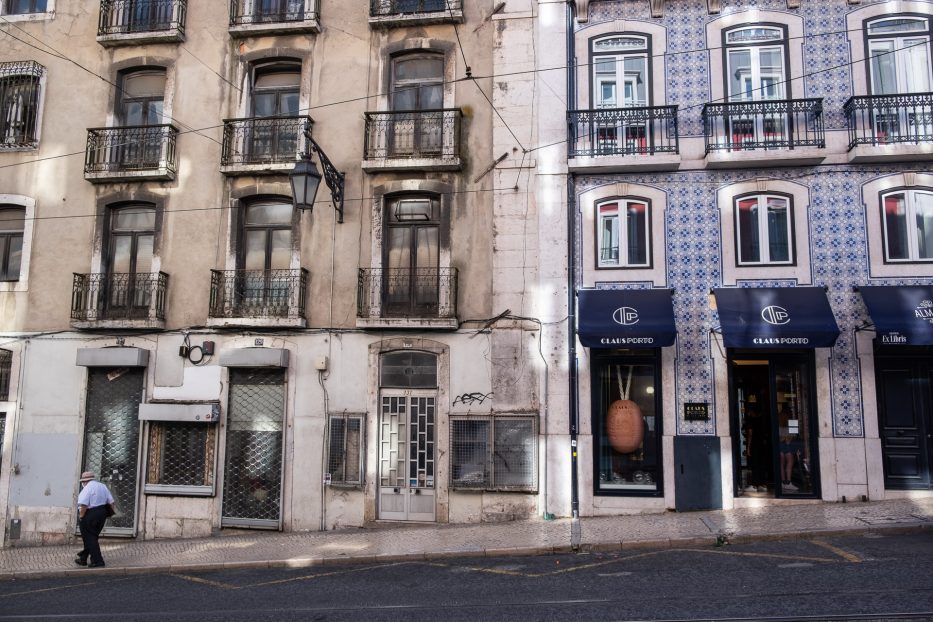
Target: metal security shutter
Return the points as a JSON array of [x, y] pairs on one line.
[[253, 461], [111, 438]]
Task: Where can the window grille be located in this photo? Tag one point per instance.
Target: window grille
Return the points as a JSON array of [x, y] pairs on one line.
[[493, 453], [6, 369], [19, 104], [181, 458], [2, 432], [344, 459]]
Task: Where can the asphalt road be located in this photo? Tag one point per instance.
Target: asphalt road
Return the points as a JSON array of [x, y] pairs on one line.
[[865, 578]]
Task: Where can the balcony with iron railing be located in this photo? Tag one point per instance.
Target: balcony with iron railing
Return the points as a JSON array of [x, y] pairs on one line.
[[119, 300], [767, 132], [407, 298], [412, 140], [618, 139], [132, 22], [263, 145], [266, 17], [884, 128], [138, 152], [273, 298], [393, 13]]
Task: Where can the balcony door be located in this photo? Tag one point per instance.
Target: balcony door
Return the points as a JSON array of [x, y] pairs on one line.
[[621, 81], [276, 93], [899, 49], [262, 283], [756, 72], [278, 10], [128, 280], [411, 275], [140, 108], [417, 98]]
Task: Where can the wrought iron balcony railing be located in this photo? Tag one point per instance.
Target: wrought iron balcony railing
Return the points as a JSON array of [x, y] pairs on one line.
[[386, 8], [249, 12], [264, 140], [119, 296], [430, 134], [120, 17], [133, 148], [424, 293], [258, 293], [758, 125], [889, 119], [623, 131]]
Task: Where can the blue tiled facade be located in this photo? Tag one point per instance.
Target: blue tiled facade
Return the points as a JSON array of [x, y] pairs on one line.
[[838, 240]]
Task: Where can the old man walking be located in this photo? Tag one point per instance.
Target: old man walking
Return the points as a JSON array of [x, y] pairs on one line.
[[95, 504]]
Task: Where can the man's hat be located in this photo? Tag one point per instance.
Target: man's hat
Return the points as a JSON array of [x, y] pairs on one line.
[[88, 476]]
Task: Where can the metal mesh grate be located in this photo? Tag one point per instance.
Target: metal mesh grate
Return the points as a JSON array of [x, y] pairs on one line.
[[6, 368], [2, 433], [111, 438], [181, 454], [253, 467], [343, 462], [493, 453]]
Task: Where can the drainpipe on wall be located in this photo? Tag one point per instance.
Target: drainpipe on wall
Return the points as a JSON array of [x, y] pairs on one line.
[[575, 530]]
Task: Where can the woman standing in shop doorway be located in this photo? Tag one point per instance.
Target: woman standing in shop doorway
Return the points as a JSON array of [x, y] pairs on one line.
[[757, 448]]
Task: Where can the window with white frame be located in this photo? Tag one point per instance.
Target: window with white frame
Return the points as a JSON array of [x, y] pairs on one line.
[[20, 84], [907, 221], [182, 458], [345, 450], [623, 231], [764, 230], [755, 63], [12, 223], [899, 49], [493, 453]]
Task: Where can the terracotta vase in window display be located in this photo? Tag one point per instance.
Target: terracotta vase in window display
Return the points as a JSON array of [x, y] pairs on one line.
[[625, 424]]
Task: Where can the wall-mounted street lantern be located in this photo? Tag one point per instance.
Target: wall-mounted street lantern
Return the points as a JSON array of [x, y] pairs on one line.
[[305, 178]]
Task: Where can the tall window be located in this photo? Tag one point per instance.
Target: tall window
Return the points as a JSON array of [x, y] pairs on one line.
[[755, 60], [20, 7], [621, 80], [411, 255], [908, 225], [275, 93], [19, 104], [764, 230], [417, 86], [141, 97], [12, 222], [899, 49], [265, 254], [623, 233], [6, 371], [129, 265]]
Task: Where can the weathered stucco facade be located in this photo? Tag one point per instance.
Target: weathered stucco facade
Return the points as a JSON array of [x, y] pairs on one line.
[[226, 360]]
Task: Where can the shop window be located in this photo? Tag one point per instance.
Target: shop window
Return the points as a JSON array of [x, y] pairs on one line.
[[624, 233], [627, 424], [6, 370], [12, 224], [764, 230], [2, 434], [181, 458], [493, 453], [908, 225], [345, 450]]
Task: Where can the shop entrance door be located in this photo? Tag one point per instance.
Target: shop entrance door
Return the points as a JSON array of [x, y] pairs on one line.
[[773, 423], [406, 456], [904, 419]]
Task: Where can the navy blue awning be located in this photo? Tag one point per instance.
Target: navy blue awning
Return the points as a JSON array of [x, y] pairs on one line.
[[776, 317], [902, 315], [630, 318]]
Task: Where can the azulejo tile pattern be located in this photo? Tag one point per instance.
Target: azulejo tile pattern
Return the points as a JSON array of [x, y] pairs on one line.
[[837, 235]]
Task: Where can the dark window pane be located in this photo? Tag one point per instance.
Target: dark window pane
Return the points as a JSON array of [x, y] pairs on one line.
[[513, 457], [469, 453], [408, 370]]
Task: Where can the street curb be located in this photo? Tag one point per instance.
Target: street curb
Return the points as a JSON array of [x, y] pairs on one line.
[[522, 551]]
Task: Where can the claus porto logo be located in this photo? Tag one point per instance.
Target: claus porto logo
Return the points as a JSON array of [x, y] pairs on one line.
[[775, 315], [626, 316]]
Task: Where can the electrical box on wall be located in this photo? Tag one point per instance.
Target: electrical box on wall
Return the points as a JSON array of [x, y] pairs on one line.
[[320, 363]]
